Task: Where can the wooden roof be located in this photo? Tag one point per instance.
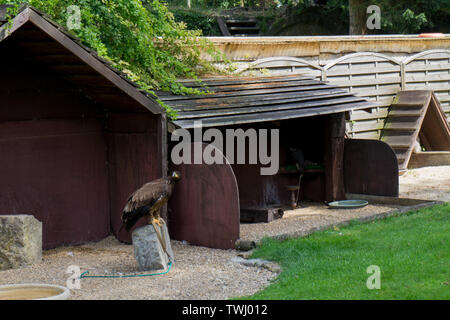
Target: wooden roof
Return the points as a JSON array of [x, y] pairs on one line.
[[231, 100], [46, 42], [234, 100]]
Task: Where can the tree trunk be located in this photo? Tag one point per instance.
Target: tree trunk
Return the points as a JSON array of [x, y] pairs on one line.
[[358, 16]]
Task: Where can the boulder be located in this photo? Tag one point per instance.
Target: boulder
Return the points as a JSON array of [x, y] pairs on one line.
[[20, 241], [148, 251]]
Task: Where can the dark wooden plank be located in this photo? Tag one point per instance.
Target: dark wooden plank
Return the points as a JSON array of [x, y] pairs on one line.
[[212, 101], [334, 157], [223, 27], [229, 80], [370, 167], [204, 208], [234, 102], [19, 20], [398, 139], [41, 177], [241, 90], [132, 161], [161, 154], [412, 97], [435, 128], [73, 69], [268, 108], [258, 86], [250, 92], [409, 112], [271, 116], [429, 158]]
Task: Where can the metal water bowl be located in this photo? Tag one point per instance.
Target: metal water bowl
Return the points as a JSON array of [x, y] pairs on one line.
[[33, 291]]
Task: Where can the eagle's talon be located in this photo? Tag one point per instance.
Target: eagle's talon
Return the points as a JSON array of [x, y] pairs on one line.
[[157, 221]]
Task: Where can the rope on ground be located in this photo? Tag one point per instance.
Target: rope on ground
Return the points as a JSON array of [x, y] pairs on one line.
[[83, 275]]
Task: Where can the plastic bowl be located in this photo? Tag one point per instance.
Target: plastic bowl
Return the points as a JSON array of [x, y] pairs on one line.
[[33, 291], [348, 204]]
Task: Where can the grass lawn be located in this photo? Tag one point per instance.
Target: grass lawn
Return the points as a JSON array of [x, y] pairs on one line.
[[411, 250]]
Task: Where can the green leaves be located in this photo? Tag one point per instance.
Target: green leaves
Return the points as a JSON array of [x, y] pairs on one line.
[[146, 43]]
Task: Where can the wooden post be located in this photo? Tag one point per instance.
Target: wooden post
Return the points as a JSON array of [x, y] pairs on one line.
[[334, 157], [162, 140]]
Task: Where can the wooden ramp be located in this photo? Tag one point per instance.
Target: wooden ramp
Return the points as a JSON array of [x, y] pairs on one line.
[[415, 114]]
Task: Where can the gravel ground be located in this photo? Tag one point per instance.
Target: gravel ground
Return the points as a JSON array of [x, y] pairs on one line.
[[428, 183], [198, 273], [203, 273], [308, 216]]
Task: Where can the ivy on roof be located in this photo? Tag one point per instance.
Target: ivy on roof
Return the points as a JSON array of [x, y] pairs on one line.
[[139, 38]]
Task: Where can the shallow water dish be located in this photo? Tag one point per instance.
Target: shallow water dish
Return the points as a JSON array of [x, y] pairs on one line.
[[32, 291], [348, 204]]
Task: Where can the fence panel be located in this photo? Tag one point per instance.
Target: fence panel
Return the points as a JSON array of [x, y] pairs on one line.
[[430, 70], [375, 76]]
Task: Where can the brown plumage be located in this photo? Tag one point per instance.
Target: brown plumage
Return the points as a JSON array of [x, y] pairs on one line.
[[148, 200]]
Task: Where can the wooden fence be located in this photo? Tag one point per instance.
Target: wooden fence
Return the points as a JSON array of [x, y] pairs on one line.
[[375, 76]]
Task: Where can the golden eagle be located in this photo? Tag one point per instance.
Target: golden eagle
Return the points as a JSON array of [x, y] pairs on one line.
[[148, 201]]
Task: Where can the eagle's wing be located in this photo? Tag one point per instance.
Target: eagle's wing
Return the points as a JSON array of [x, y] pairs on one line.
[[146, 195], [143, 199]]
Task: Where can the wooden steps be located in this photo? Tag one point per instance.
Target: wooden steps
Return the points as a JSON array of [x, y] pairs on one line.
[[405, 120], [242, 27]]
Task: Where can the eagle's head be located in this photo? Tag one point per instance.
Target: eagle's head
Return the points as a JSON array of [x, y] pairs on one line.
[[175, 176]]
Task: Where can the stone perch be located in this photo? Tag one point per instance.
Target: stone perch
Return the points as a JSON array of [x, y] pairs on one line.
[[20, 241], [148, 251]]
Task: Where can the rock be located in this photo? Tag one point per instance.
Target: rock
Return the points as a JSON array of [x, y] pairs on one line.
[[245, 254], [259, 263], [244, 245], [148, 251], [20, 241]]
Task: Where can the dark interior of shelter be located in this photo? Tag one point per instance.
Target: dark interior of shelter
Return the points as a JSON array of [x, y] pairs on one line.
[[304, 136]]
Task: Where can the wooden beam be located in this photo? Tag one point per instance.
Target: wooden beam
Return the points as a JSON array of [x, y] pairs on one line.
[[223, 27], [17, 22], [334, 157], [162, 150]]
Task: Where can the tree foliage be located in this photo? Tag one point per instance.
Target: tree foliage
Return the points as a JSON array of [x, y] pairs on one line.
[[140, 39], [405, 17]]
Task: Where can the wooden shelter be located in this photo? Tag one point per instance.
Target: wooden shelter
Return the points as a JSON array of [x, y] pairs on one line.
[[76, 136], [309, 115]]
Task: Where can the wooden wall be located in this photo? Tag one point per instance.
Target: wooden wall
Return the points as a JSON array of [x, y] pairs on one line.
[[53, 154], [133, 160], [204, 208], [67, 159], [370, 167]]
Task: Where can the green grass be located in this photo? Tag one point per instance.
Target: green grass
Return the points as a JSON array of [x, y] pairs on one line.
[[412, 251]]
